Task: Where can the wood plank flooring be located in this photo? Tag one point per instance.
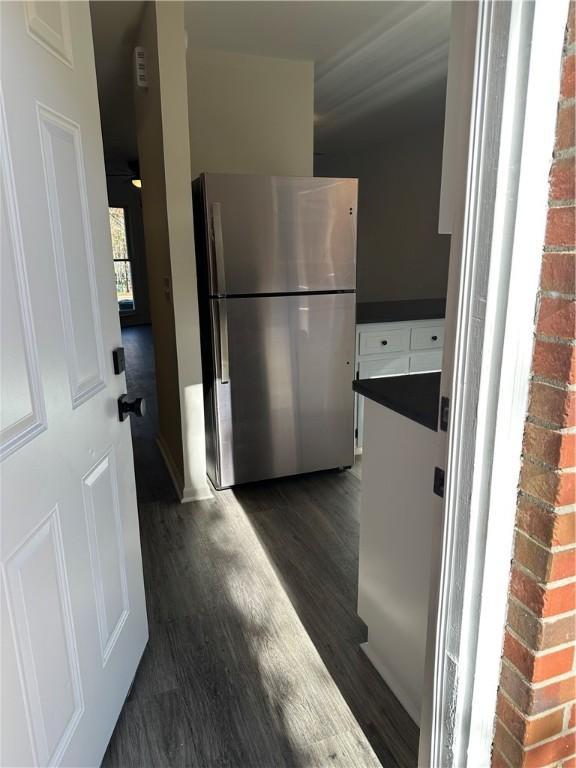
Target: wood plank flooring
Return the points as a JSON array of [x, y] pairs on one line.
[[253, 656]]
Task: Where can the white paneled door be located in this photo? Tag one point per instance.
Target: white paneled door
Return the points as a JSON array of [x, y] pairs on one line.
[[72, 597]]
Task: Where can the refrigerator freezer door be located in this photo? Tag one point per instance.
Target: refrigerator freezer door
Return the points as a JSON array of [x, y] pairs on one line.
[[288, 405], [276, 234]]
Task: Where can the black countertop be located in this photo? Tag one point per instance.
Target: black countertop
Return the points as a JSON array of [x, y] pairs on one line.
[[414, 396], [395, 311]]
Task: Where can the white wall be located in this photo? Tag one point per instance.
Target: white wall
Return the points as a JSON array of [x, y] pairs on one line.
[[162, 127], [250, 114], [400, 253]]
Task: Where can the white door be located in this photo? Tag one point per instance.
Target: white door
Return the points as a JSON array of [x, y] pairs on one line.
[[73, 612]]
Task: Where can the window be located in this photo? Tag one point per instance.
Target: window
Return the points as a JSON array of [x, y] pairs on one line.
[[122, 265]]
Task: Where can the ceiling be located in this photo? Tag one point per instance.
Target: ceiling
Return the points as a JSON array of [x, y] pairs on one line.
[[379, 65]]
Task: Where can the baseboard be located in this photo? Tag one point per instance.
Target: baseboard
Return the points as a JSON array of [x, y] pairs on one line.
[[193, 494], [184, 493], [392, 682]]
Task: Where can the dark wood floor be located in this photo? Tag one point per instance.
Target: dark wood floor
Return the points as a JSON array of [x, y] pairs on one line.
[[253, 656]]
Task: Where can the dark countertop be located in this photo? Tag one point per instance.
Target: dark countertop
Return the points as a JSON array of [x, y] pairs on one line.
[[414, 396], [394, 311]]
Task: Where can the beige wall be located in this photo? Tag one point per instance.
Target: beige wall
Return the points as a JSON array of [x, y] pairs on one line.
[[162, 127], [250, 114], [400, 253]]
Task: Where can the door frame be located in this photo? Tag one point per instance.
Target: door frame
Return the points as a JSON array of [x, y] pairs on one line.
[[498, 237]]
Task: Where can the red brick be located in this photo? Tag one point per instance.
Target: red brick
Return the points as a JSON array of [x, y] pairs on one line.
[[541, 482], [557, 488], [552, 405], [550, 752], [568, 84], [525, 625], [528, 591], [550, 446], [557, 317], [544, 727], [563, 179], [558, 600], [516, 688], [552, 664], [551, 696], [541, 600], [560, 227], [571, 26], [498, 761], [557, 632], [518, 655], [565, 128], [564, 530], [570, 763], [559, 272], [555, 361], [572, 719], [511, 718], [505, 744], [562, 565], [551, 529]]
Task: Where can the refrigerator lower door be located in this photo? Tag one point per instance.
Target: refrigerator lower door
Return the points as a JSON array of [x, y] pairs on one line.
[[287, 406]]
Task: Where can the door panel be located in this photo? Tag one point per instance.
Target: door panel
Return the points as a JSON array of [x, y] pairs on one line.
[[69, 547], [40, 606], [69, 220], [275, 234], [288, 406], [21, 391]]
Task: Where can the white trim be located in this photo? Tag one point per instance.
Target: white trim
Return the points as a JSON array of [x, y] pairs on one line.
[[538, 29], [518, 55], [184, 493]]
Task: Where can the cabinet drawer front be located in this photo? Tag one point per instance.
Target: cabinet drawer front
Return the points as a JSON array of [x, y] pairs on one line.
[[427, 337], [426, 362], [377, 342], [392, 366]]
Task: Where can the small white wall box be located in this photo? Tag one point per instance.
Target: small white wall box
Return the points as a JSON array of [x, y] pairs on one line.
[[140, 67]]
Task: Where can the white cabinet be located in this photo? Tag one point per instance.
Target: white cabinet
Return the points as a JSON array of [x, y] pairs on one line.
[[397, 521], [395, 349]]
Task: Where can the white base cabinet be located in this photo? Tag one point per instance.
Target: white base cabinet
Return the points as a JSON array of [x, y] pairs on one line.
[[397, 519], [395, 349]]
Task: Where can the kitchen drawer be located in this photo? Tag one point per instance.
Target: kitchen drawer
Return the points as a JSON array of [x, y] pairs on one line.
[[376, 342], [427, 337], [426, 361], [392, 366]]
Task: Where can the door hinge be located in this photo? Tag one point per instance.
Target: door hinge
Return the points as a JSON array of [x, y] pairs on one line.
[[356, 433], [444, 413], [118, 360], [439, 478]]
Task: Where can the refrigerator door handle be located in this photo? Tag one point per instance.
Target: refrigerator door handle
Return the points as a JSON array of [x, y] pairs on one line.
[[219, 278], [223, 341]]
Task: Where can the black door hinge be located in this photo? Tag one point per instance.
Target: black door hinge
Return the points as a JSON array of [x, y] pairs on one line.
[[444, 413], [118, 360], [439, 478], [356, 433]]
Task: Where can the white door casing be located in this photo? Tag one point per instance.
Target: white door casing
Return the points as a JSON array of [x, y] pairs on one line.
[[73, 611], [495, 206]]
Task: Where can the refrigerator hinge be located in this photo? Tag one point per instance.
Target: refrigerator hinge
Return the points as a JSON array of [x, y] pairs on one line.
[[439, 480], [444, 413]]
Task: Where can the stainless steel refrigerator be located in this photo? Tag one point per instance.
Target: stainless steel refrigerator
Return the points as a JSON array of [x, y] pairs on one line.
[[276, 260]]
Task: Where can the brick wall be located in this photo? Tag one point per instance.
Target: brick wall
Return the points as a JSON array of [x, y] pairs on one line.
[[536, 714]]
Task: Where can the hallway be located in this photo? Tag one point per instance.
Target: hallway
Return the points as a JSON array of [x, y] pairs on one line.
[[253, 657]]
